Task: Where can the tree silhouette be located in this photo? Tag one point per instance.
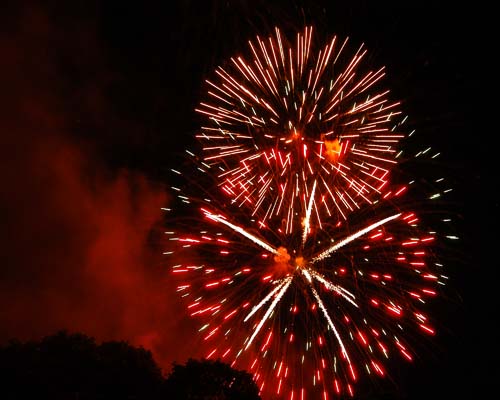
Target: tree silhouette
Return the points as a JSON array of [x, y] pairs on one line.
[[127, 371], [73, 366], [68, 366], [209, 380]]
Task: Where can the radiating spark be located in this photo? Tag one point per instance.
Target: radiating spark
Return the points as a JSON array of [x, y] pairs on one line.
[[307, 221], [241, 231], [338, 289], [352, 237], [276, 300], [265, 300]]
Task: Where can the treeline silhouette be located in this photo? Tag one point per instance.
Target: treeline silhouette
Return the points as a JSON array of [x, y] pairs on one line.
[[68, 366]]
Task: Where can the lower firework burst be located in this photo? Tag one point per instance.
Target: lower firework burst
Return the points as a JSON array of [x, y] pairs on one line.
[[306, 317], [307, 310]]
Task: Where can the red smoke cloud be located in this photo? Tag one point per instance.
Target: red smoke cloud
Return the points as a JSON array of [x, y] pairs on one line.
[[82, 250], [81, 241]]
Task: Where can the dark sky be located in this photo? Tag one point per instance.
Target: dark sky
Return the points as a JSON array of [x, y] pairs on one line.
[[98, 102]]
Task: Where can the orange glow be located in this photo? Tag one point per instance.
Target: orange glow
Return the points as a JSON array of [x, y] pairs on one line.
[[300, 262], [282, 261], [332, 150]]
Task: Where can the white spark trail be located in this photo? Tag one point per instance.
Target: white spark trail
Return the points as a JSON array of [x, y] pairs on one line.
[[264, 300], [241, 231], [352, 237], [336, 288], [307, 221], [276, 300], [327, 316]]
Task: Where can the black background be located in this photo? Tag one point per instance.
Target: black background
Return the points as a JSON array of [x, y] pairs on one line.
[[129, 75]]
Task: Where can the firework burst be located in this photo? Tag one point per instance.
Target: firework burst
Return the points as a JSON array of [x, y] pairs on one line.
[[305, 264], [291, 121]]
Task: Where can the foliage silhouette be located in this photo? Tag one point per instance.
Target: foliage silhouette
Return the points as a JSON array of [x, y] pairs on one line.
[[209, 380], [73, 366], [68, 366]]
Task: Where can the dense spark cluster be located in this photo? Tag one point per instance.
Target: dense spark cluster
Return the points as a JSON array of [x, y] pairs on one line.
[[303, 260], [287, 123]]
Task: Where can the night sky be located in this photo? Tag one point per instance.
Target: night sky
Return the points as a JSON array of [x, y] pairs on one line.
[[97, 103]]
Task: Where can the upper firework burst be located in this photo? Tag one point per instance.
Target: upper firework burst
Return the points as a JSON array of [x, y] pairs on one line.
[[295, 131]]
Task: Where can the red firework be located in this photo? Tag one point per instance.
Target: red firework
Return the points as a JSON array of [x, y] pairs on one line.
[[291, 117], [305, 264]]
